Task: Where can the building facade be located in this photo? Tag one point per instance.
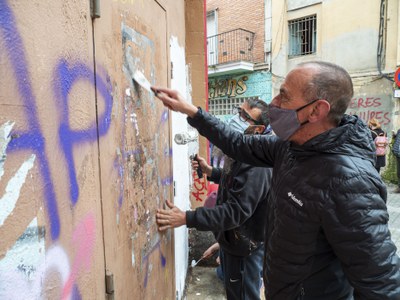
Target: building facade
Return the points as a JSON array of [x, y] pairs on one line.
[[361, 36], [237, 54]]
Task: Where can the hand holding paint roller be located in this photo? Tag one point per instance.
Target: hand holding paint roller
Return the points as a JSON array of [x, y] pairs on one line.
[[194, 263], [207, 254]]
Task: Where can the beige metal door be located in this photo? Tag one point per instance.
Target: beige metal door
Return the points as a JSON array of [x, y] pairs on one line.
[[135, 159], [51, 244]]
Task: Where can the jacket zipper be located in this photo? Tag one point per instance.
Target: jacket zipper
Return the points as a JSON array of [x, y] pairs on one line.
[[302, 292]]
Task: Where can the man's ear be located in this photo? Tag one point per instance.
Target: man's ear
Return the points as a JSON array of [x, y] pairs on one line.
[[320, 111]]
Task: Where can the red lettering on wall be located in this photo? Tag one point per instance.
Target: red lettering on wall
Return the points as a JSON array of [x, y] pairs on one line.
[[199, 186], [370, 107], [381, 116], [365, 102], [198, 195]]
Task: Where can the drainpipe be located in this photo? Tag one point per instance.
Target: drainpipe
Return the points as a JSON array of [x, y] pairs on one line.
[[206, 66], [205, 49], [268, 32]]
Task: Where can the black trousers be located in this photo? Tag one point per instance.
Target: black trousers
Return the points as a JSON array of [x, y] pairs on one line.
[[242, 275]]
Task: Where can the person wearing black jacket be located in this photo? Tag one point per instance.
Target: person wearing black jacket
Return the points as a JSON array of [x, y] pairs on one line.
[[238, 219], [327, 233]]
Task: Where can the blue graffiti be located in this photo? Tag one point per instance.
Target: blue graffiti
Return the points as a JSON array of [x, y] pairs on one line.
[[33, 139], [145, 260], [66, 76]]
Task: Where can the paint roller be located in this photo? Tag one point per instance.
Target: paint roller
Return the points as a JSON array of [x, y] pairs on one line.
[[185, 138]]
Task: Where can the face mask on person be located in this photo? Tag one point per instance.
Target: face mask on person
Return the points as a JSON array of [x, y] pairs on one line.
[[237, 124], [284, 122]]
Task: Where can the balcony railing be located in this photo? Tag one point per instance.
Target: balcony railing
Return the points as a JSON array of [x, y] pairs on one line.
[[230, 46]]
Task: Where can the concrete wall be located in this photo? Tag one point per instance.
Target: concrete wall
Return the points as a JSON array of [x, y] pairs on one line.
[[347, 34], [196, 60], [86, 155]]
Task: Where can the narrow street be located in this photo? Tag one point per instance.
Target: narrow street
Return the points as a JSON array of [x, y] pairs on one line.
[[203, 283], [393, 205]]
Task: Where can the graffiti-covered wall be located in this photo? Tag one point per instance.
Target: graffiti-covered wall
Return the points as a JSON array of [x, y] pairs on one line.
[[51, 227], [374, 99], [85, 152]]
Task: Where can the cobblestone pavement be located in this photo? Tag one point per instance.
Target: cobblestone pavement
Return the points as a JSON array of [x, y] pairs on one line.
[[393, 205], [203, 284]]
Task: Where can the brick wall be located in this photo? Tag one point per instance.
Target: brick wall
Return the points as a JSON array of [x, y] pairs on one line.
[[246, 14]]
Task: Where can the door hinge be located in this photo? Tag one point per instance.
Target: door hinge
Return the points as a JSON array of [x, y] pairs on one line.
[[95, 9], [174, 188], [109, 283], [172, 70]]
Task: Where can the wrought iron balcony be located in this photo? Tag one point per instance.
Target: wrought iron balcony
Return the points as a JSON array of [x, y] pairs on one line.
[[230, 46]]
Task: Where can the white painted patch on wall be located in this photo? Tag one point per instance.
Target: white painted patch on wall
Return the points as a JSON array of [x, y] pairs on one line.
[[13, 188], [135, 123], [21, 262], [133, 237], [5, 138], [14, 284], [181, 170], [27, 252]]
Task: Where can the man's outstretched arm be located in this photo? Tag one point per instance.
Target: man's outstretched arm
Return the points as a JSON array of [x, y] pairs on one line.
[[175, 101], [254, 150]]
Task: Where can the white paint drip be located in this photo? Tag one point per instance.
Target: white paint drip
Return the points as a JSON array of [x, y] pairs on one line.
[[135, 122], [5, 130], [133, 251], [10, 198]]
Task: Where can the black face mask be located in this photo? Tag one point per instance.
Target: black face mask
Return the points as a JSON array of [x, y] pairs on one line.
[[284, 122]]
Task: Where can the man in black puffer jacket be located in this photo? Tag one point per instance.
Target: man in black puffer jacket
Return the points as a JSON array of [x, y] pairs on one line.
[[327, 235]]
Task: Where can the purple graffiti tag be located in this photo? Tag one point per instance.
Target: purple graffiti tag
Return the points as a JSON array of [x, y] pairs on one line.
[[167, 152], [76, 295], [145, 261], [118, 165], [164, 116], [32, 139], [167, 181], [66, 76]]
